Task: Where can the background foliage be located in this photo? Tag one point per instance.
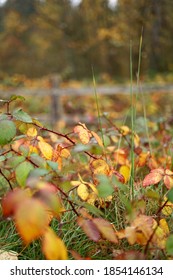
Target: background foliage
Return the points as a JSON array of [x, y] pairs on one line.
[[40, 37]]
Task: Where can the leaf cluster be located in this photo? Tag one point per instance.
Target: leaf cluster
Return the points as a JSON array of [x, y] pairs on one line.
[[45, 174]]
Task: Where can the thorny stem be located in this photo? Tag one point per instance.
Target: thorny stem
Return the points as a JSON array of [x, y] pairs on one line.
[[69, 201], [57, 133], [28, 159], [63, 135]]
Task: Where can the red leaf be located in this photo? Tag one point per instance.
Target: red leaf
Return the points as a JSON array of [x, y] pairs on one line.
[[11, 201], [152, 178]]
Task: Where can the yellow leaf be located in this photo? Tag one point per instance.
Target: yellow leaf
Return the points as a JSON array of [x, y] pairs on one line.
[[32, 132], [161, 234], [33, 149], [53, 247], [125, 171], [83, 133], [82, 192], [124, 130], [65, 153], [75, 183], [136, 140], [99, 166], [98, 139], [168, 208], [31, 219], [46, 149], [92, 198]]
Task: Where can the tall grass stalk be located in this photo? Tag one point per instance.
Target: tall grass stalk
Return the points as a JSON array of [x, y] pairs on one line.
[[141, 91], [133, 114], [97, 104]]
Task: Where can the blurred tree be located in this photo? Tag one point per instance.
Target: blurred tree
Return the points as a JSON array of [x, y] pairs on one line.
[[40, 37]]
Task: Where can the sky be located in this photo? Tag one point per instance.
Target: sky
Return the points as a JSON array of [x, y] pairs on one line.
[[112, 3]]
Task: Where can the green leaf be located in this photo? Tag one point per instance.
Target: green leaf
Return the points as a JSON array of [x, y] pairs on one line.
[[2, 158], [169, 245], [20, 115], [14, 161], [3, 117], [37, 172], [92, 209], [104, 188], [22, 171], [38, 160], [53, 165], [14, 97], [170, 195], [7, 132]]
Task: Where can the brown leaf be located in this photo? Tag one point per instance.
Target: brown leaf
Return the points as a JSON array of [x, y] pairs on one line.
[[106, 229], [89, 228]]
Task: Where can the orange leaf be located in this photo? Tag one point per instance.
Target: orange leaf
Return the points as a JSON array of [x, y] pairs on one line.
[[152, 178], [168, 180], [83, 132], [53, 247], [98, 139], [31, 219]]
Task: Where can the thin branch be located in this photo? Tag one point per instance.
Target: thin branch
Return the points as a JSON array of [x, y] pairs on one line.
[[10, 185]]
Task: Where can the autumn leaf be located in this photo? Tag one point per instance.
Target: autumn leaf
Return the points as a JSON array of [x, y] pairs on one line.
[[125, 130], [53, 247], [125, 171], [31, 219], [32, 132], [83, 192], [12, 199], [83, 132], [99, 166], [89, 228], [106, 229], [168, 207], [136, 140], [46, 149], [98, 139], [154, 177], [161, 234], [168, 180], [120, 156], [142, 159]]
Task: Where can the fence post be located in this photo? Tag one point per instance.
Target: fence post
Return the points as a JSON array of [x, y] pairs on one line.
[[56, 106]]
